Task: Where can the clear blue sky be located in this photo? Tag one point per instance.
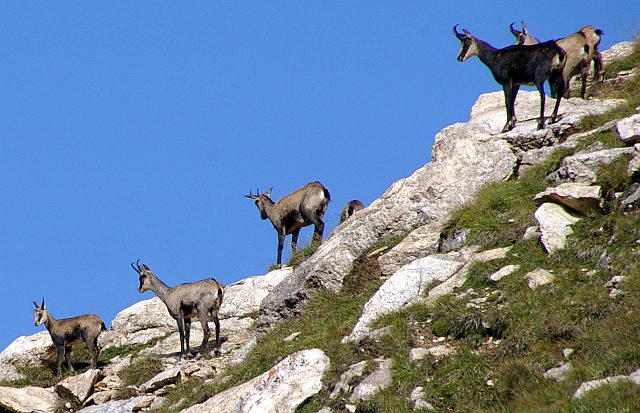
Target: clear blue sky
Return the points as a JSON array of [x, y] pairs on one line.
[[132, 129]]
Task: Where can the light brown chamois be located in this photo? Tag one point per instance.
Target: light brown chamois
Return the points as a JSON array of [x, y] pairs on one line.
[[581, 48], [200, 299], [301, 208], [350, 208], [67, 331]]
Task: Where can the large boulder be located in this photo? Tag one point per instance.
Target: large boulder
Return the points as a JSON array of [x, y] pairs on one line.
[[465, 158], [419, 243], [629, 129], [583, 166], [405, 287], [580, 198], [25, 351], [78, 388], [129, 327], [29, 399], [555, 226], [243, 298], [281, 389]]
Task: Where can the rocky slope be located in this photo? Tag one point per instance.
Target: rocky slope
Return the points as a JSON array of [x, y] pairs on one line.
[[420, 269]]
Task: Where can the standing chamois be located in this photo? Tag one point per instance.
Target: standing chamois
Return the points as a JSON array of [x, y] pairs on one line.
[[581, 48], [518, 65], [200, 299], [67, 331], [301, 208], [350, 208]]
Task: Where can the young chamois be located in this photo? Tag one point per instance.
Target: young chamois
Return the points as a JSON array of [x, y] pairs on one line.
[[67, 331], [350, 208], [518, 65], [200, 299], [301, 208], [581, 48]]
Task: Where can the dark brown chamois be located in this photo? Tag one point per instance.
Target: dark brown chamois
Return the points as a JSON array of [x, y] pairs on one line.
[[200, 299], [518, 65], [350, 208], [301, 208], [67, 331], [581, 48]]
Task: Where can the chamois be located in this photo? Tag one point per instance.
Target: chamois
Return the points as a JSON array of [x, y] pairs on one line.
[[301, 208], [581, 48], [67, 331], [518, 65], [350, 208], [200, 299]]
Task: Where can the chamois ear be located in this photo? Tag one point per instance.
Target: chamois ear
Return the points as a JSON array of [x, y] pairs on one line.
[[268, 193], [146, 267], [524, 28]]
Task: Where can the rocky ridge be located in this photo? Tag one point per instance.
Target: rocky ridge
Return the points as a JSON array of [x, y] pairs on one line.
[[466, 156]]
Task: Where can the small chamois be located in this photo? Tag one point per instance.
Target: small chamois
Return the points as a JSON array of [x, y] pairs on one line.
[[350, 208], [201, 299], [67, 331], [301, 208]]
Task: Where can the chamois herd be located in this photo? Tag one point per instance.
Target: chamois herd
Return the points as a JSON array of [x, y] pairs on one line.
[[528, 62]]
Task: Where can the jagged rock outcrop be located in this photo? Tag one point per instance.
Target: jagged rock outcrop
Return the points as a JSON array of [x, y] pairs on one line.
[[487, 114], [281, 389], [465, 158]]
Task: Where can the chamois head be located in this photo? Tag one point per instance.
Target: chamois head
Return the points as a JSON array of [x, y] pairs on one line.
[[262, 201], [468, 46], [39, 314], [143, 271], [523, 37]]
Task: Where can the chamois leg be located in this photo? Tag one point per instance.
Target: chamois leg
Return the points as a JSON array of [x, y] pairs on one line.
[[216, 321], [294, 240], [583, 77], [540, 87], [180, 321], [187, 334], [598, 67], [59, 358], [206, 332], [281, 235], [67, 356], [93, 350], [510, 92]]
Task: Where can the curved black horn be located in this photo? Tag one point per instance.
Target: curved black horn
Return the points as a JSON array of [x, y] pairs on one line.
[[42, 306], [455, 32], [513, 31], [137, 264], [36, 304]]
